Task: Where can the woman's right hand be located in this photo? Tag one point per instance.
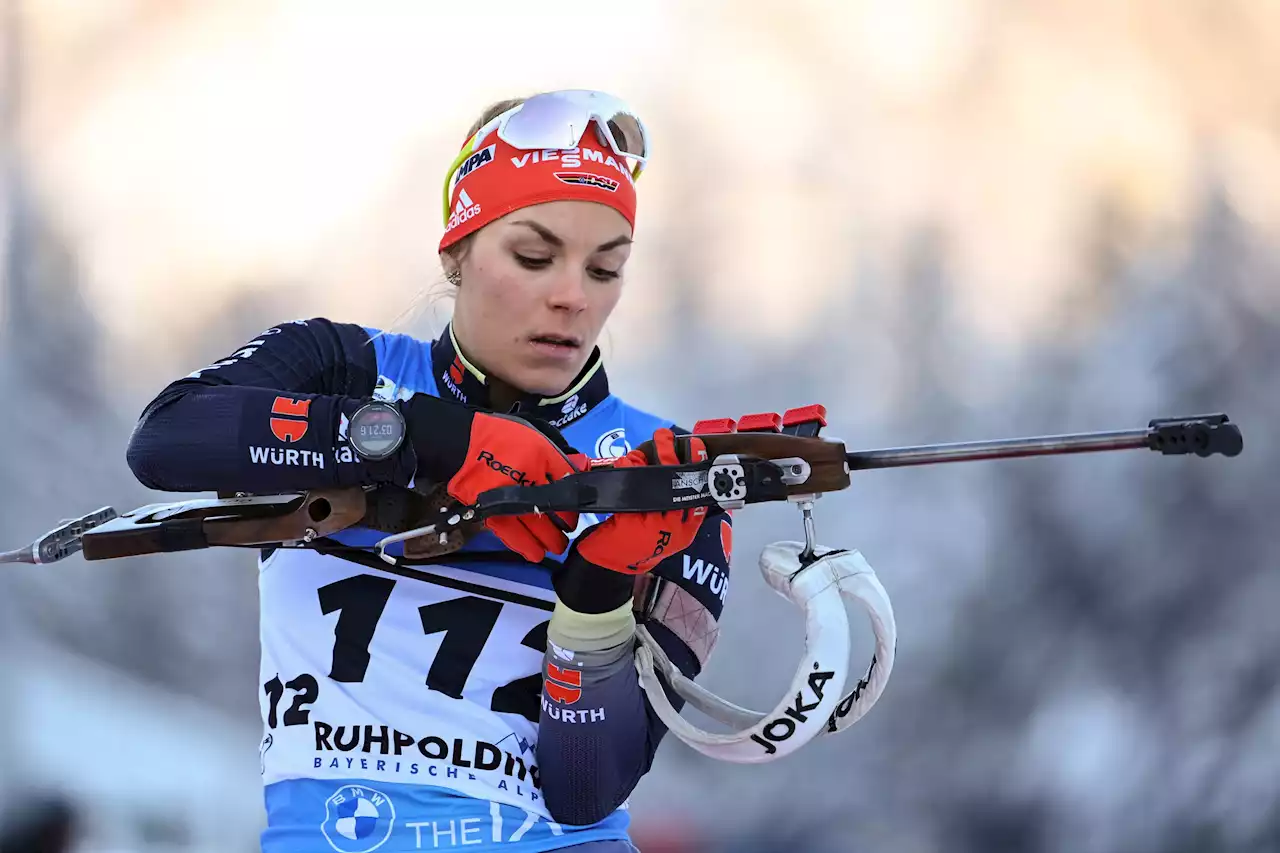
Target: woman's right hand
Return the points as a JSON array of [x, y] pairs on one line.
[[472, 451], [636, 542]]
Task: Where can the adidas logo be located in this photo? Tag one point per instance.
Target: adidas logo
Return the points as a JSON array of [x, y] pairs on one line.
[[463, 210]]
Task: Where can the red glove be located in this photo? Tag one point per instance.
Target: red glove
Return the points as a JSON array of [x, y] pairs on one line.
[[506, 451], [472, 452], [635, 542]]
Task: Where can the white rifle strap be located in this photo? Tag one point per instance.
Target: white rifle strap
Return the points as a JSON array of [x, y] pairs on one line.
[[818, 588], [859, 584]]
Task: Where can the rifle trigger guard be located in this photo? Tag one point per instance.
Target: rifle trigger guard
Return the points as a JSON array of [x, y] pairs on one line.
[[452, 517]]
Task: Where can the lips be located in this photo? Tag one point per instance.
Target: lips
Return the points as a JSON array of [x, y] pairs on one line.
[[552, 339], [555, 348]]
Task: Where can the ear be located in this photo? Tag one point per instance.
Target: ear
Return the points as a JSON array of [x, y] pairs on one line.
[[452, 269]]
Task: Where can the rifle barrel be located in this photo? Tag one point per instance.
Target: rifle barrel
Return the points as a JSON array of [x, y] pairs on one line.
[[1009, 448]]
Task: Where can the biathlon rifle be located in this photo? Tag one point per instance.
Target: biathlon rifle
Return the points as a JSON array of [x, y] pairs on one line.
[[759, 458], [756, 459]]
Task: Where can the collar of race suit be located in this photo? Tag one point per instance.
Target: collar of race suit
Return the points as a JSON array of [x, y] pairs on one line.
[[461, 380]]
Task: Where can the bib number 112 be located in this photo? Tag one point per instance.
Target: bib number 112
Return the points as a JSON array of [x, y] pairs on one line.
[[466, 622]]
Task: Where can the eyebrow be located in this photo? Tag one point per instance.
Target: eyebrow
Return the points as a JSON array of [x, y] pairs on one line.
[[551, 237]]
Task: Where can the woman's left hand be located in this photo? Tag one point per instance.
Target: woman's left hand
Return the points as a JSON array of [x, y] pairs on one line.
[[635, 542]]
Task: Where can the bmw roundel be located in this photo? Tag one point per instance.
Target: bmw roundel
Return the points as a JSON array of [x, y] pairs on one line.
[[357, 819], [613, 444]]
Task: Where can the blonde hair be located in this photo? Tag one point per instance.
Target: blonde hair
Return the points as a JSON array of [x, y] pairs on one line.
[[443, 289], [458, 250], [493, 111]]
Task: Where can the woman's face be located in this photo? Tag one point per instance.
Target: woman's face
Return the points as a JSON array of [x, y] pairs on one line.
[[537, 287]]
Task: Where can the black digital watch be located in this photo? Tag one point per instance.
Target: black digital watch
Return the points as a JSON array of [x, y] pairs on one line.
[[376, 430]]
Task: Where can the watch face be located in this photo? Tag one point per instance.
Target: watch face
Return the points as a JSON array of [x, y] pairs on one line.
[[376, 431]]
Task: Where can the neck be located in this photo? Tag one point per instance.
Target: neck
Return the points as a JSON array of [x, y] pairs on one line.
[[502, 394], [464, 379]]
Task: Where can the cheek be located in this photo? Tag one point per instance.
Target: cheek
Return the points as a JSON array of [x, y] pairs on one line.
[[497, 292], [604, 298]]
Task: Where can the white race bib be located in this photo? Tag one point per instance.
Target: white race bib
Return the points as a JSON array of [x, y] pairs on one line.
[[432, 678]]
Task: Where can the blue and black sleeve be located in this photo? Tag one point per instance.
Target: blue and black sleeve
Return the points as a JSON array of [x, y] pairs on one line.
[[267, 417], [598, 733]]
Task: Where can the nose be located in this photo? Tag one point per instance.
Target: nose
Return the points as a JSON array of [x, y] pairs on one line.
[[569, 290]]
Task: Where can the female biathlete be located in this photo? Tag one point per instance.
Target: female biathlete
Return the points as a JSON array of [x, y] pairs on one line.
[[486, 699]]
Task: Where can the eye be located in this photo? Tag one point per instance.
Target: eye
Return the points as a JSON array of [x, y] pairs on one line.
[[602, 274], [531, 263]]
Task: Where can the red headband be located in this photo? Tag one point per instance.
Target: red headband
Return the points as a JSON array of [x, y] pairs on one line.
[[498, 179]]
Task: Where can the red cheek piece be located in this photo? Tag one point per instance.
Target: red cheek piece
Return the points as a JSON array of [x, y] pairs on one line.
[[717, 426], [805, 421], [762, 422]]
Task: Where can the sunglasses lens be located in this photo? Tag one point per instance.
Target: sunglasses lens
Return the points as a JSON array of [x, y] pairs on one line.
[[628, 133], [558, 120], [546, 121]]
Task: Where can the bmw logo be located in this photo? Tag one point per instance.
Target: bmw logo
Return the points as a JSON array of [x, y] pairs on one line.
[[357, 819], [613, 444]]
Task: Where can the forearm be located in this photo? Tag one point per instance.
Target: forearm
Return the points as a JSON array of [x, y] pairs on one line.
[[237, 438], [265, 418], [598, 733], [592, 738], [594, 750]]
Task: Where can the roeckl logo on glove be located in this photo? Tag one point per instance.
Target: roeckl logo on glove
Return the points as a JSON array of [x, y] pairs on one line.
[[487, 458], [664, 539]]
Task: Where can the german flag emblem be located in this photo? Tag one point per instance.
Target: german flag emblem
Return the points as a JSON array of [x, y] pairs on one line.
[[588, 179]]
